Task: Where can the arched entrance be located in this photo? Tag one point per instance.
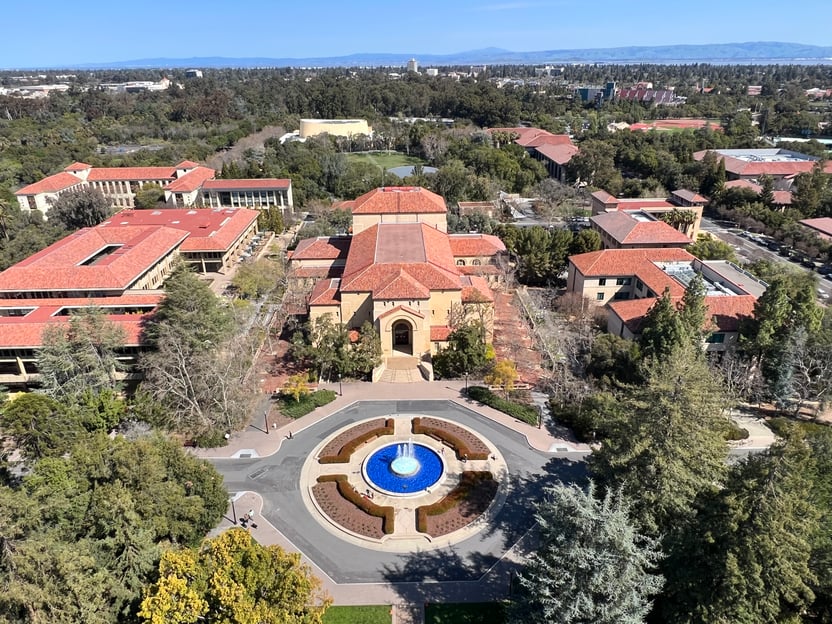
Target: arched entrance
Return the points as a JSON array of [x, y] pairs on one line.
[[402, 338]]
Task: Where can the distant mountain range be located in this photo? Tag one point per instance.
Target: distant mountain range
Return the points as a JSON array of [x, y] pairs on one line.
[[757, 52]]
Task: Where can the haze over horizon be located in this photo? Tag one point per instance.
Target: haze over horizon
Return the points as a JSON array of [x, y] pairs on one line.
[[54, 34]]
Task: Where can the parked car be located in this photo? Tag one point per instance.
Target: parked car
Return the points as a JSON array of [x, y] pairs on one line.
[[826, 269]]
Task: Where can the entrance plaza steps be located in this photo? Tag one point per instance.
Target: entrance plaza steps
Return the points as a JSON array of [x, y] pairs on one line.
[[402, 370]]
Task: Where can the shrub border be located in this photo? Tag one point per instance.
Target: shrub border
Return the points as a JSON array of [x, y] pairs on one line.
[[460, 447], [349, 493], [520, 411], [346, 451], [468, 481]]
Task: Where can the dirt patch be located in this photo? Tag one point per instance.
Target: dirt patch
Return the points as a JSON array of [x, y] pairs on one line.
[[254, 141], [513, 339]]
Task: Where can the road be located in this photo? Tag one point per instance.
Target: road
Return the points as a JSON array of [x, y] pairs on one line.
[[749, 251]]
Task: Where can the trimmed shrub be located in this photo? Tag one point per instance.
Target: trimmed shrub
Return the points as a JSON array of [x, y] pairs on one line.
[[443, 434], [308, 403], [475, 487], [524, 413], [346, 451], [348, 492]]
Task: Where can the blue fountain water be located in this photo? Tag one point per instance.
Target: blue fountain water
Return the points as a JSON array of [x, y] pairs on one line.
[[404, 468]]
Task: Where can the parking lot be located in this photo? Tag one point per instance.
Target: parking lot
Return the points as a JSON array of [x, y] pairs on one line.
[[751, 247]]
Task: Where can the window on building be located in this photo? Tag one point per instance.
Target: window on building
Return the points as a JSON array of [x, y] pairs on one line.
[[602, 282], [639, 285], [599, 296], [717, 338], [623, 281], [621, 295]]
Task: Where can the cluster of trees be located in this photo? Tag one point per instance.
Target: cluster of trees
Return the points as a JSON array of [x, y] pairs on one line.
[[541, 254], [333, 352], [669, 527]]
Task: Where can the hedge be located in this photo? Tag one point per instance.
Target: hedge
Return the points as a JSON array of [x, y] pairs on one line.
[[387, 514], [307, 403], [469, 483], [347, 450], [461, 448], [525, 413]]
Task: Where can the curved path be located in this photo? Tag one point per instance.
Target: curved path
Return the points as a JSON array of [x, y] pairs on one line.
[[265, 476]]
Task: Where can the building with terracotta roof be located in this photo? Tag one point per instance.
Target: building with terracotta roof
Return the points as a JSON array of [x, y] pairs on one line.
[[629, 282], [781, 199], [628, 229], [686, 201], [185, 184], [400, 271], [553, 150], [118, 266], [750, 164]]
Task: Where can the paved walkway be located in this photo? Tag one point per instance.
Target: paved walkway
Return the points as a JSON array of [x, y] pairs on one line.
[[406, 598], [255, 442]]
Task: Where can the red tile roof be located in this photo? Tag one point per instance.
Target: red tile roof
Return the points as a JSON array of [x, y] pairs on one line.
[[78, 166], [475, 245], [379, 254], [561, 154], [628, 230], [534, 137], [208, 229], [26, 331], [326, 293], [322, 248], [59, 266], [190, 181], [439, 333], [690, 196], [251, 184], [475, 289], [51, 184], [756, 168], [479, 269], [641, 263], [315, 272], [398, 200], [132, 173], [401, 286], [725, 312], [822, 225], [187, 164]]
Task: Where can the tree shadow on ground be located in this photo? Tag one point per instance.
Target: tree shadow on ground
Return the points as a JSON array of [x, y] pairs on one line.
[[525, 491]]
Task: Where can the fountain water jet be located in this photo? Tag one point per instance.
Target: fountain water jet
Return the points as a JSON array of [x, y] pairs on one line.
[[405, 464]]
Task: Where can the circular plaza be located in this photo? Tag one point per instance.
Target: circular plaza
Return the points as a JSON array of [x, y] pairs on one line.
[[402, 482], [322, 491]]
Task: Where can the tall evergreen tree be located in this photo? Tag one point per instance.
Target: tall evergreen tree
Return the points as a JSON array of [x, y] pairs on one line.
[[592, 567], [666, 444], [662, 330], [746, 558]]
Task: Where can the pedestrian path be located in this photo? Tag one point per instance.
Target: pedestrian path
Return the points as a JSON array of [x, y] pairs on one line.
[[259, 441]]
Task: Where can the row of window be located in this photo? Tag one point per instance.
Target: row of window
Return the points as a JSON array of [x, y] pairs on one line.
[[619, 281]]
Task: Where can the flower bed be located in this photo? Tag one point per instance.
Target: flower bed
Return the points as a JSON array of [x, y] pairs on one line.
[[341, 447], [464, 504], [520, 411], [466, 445], [341, 502]]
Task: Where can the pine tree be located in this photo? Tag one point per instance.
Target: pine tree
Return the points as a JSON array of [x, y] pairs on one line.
[[667, 446], [746, 558], [592, 566], [662, 330]]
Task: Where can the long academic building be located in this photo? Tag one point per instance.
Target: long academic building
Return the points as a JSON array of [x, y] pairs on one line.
[[119, 267], [186, 184], [402, 272]]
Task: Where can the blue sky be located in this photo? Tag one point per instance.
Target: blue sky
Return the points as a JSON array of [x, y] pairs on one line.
[[40, 33]]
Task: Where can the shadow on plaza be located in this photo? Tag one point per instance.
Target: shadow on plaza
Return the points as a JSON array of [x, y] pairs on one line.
[[461, 574]]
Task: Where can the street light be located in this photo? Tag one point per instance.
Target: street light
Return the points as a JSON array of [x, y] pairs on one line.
[[466, 382], [340, 386]]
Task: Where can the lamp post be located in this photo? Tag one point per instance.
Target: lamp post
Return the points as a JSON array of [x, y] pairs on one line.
[[266, 421], [340, 386], [233, 512], [466, 382]]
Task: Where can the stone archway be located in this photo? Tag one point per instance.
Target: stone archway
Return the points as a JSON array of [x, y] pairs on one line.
[[402, 338]]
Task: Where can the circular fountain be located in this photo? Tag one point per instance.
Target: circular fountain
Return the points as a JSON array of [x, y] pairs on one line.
[[403, 469]]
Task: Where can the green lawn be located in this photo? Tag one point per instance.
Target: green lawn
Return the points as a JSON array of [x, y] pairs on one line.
[[470, 613], [386, 159], [376, 614]]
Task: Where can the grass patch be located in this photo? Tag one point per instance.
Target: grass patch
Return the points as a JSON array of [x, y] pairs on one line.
[[387, 160], [520, 411], [471, 613], [373, 614], [307, 403]]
